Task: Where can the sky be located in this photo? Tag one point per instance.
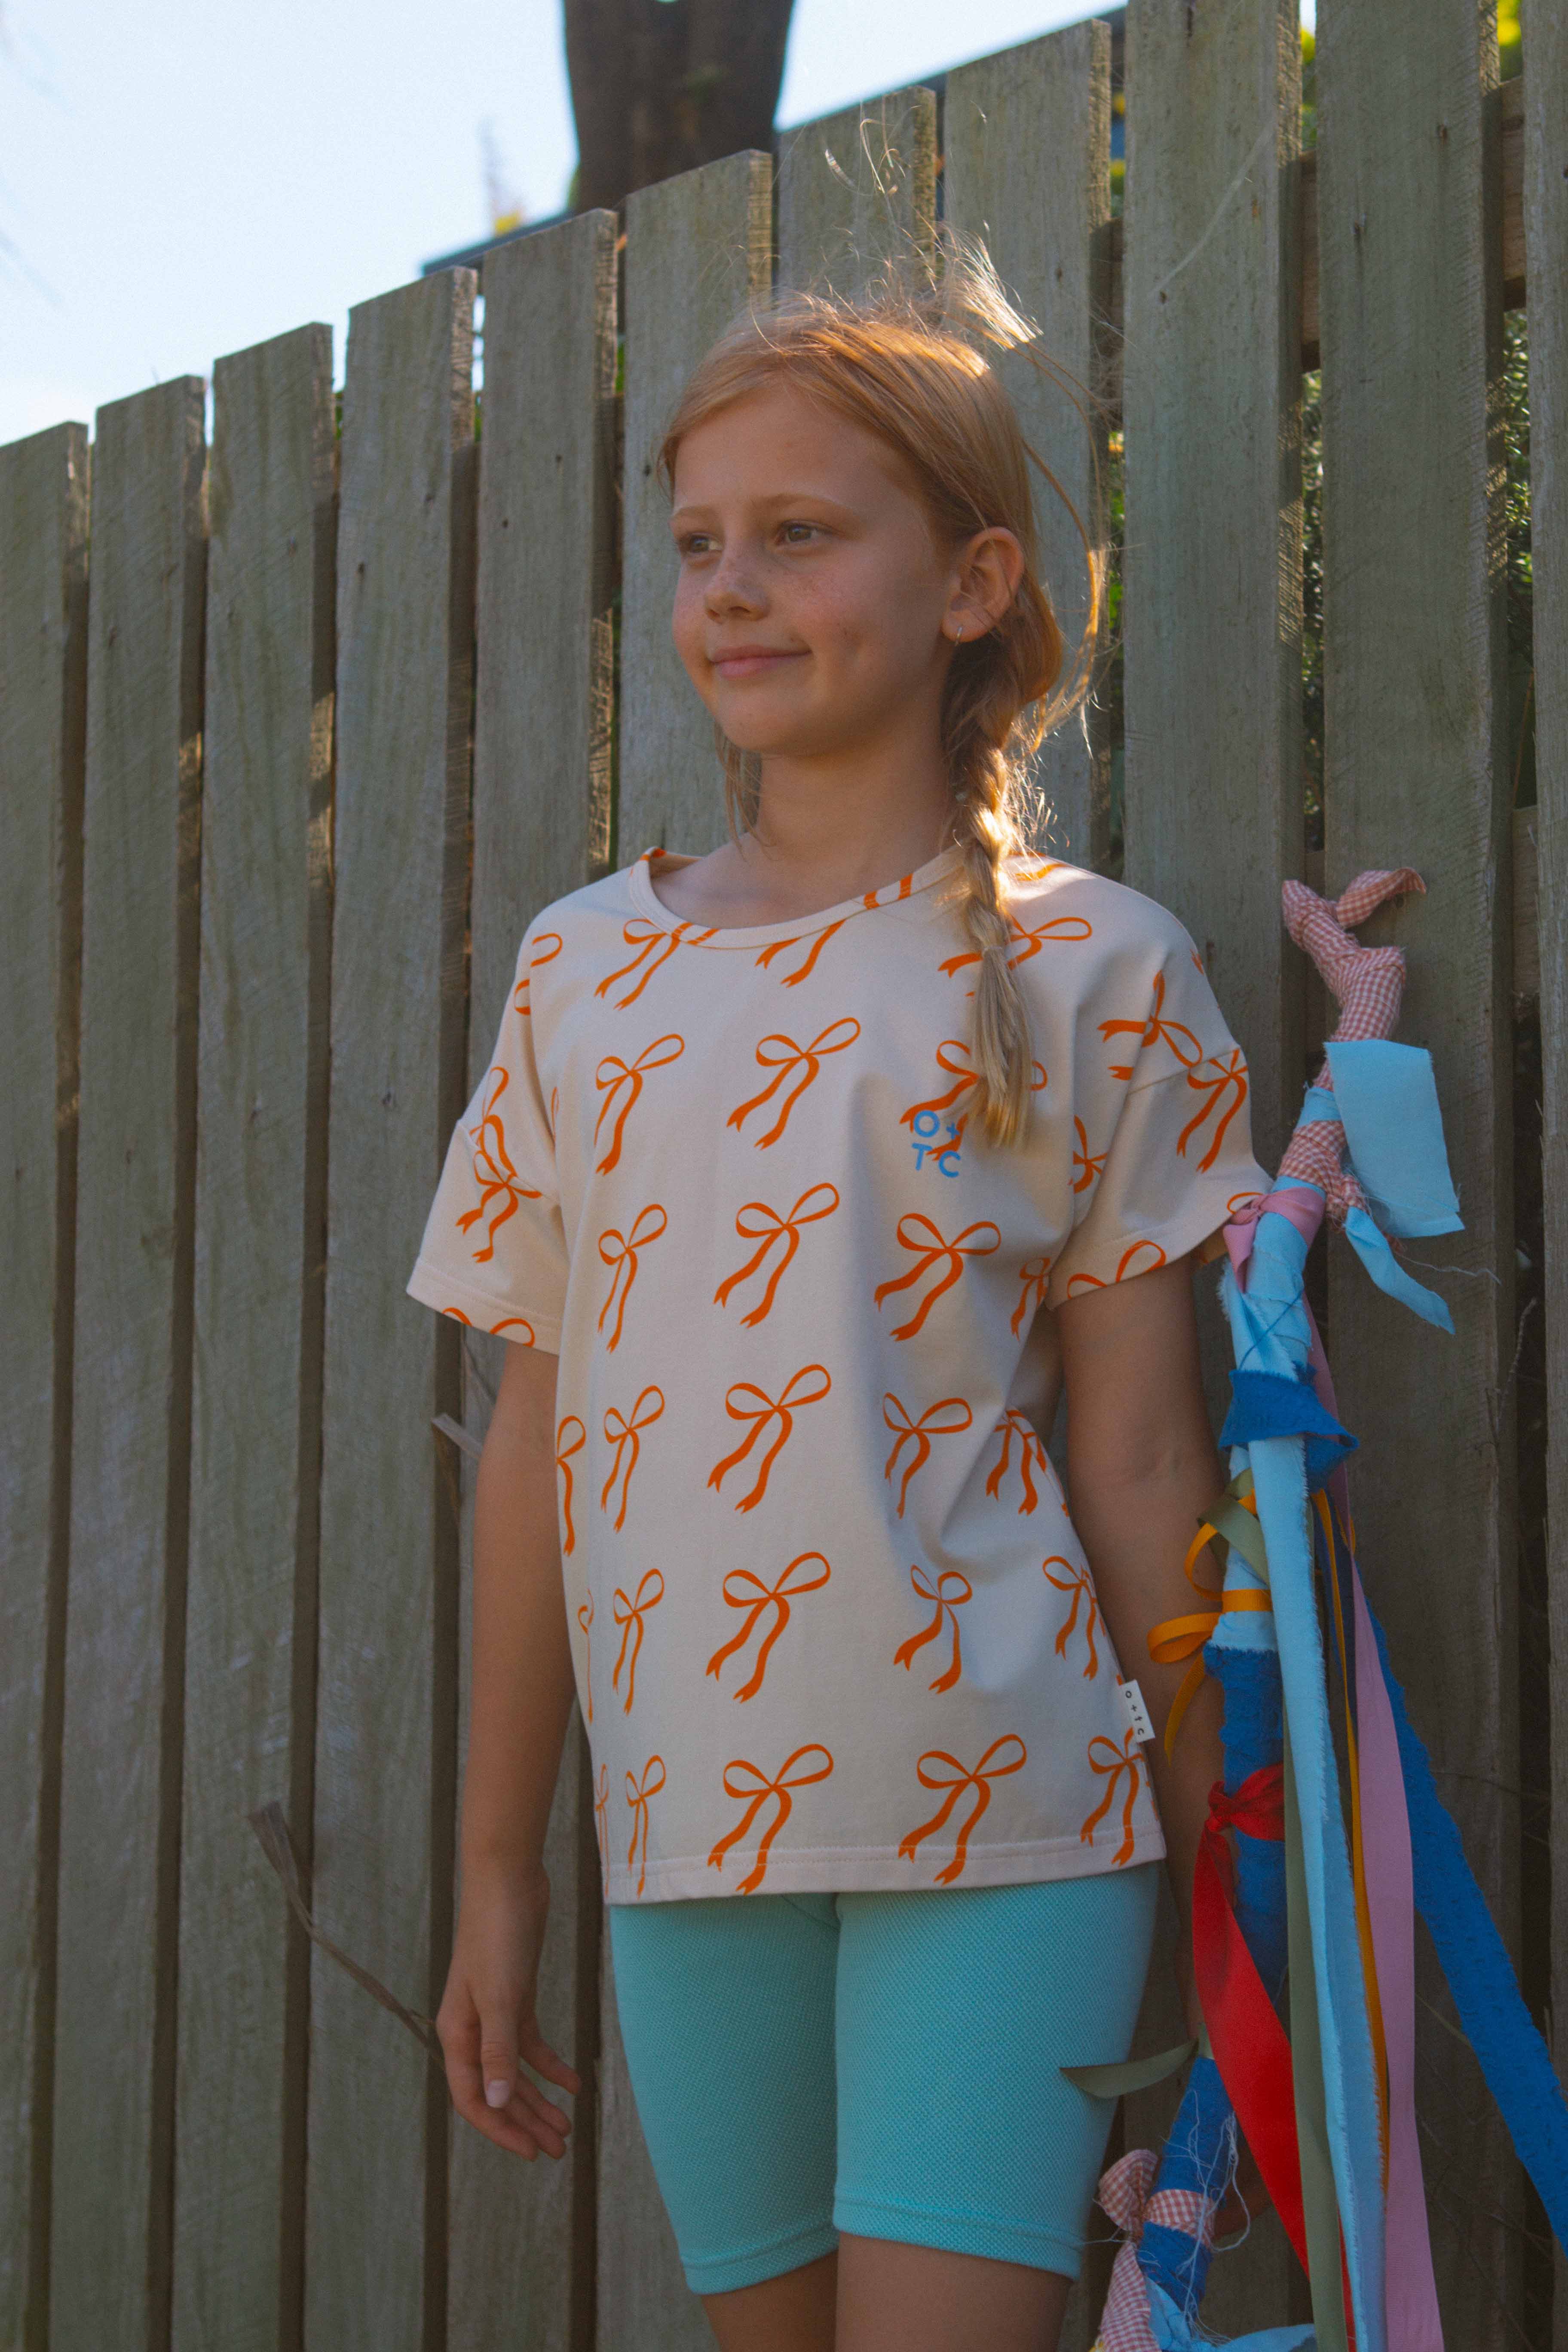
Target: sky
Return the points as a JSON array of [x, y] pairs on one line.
[[186, 177]]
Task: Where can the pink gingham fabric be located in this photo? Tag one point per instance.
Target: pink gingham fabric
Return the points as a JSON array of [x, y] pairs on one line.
[[1128, 2194]]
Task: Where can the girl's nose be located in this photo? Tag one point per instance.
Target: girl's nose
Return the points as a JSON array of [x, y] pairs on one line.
[[732, 588]]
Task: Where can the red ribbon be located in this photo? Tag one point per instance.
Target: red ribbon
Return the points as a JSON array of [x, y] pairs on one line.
[[1249, 2041]]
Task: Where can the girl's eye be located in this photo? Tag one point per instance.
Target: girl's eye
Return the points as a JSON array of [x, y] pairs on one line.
[[797, 534], [694, 543]]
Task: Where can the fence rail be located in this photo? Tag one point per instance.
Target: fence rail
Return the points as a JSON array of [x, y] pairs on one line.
[[297, 733]]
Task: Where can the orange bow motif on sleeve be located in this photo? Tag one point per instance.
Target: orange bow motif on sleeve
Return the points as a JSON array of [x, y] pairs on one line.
[[749, 1782], [637, 1795], [744, 1591], [563, 1454], [653, 946], [628, 1616], [585, 1619], [802, 970], [1031, 1456], [1227, 1087], [913, 1229], [620, 1251], [948, 1774], [1028, 940], [626, 1436], [602, 1825], [785, 1058], [757, 1220], [949, 1592], [1033, 1275], [808, 1386], [508, 1323], [1091, 1163], [546, 948], [1127, 1267], [1080, 1584], [612, 1075], [938, 1420], [1156, 1031], [1107, 1759], [496, 1177]]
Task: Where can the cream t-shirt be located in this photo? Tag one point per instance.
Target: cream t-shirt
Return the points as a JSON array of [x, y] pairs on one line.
[[831, 1625]]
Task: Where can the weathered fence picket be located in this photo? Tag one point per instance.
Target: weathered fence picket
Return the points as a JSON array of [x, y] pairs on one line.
[[1416, 770], [1027, 168], [541, 828], [43, 718], [1546, 237], [260, 1237], [698, 247], [386, 1695], [239, 1554], [120, 1810]]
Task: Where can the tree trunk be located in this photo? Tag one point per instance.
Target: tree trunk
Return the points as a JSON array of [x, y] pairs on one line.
[[660, 86]]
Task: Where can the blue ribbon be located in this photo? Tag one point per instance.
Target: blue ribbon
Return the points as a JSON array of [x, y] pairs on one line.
[[1387, 1101], [1371, 1246], [1174, 2332], [1270, 1404]]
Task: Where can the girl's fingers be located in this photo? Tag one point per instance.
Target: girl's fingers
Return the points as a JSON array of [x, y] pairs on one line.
[[548, 2062]]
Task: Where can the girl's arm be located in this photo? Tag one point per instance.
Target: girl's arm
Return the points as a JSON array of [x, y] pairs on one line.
[[1142, 1473], [522, 1699]]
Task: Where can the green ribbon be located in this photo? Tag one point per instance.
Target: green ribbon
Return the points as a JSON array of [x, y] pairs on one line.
[[1137, 2074]]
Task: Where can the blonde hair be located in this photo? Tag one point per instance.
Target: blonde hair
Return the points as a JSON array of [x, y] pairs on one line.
[[904, 360]]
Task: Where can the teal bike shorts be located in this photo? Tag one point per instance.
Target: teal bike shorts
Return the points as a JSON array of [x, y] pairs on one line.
[[887, 2064]]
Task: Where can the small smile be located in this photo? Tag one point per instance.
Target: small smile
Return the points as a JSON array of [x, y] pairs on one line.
[[752, 661]]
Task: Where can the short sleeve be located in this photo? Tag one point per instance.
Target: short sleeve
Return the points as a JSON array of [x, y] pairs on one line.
[[1166, 1133], [494, 1251]]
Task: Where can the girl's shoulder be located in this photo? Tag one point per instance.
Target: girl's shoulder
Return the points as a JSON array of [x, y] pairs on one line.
[[1049, 898]]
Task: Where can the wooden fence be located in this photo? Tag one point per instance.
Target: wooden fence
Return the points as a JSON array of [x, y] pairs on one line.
[[297, 729]]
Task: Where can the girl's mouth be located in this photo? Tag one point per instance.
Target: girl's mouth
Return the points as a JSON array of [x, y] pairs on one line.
[[751, 661]]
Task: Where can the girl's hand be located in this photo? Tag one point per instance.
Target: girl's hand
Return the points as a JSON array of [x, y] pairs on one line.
[[486, 2021]]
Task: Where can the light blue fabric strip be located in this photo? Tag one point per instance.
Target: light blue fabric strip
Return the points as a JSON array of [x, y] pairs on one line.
[[1269, 1324], [1173, 2331], [1387, 1099], [1319, 1107], [1372, 1247]]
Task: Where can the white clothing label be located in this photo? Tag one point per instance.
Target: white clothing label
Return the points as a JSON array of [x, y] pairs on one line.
[[1138, 1721]]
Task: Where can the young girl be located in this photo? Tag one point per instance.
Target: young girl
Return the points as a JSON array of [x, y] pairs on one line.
[[803, 1176]]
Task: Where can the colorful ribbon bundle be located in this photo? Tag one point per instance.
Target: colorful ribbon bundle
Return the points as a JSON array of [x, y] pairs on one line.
[[1304, 1913]]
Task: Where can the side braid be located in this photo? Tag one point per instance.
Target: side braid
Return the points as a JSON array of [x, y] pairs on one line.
[[1001, 1049]]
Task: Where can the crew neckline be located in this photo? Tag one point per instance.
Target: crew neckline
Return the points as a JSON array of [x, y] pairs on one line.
[[892, 894]]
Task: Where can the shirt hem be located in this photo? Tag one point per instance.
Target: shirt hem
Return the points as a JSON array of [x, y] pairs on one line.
[[873, 1870], [433, 1287]]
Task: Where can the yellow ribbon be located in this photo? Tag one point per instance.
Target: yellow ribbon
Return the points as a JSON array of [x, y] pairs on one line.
[[1184, 1637]]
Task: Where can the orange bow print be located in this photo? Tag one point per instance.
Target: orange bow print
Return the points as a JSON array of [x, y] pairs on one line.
[[930, 1255], [738, 1406], [628, 1616], [1127, 1267], [655, 946], [750, 1782], [1031, 1455], [1230, 1080], [1033, 1275], [919, 1433], [757, 1219], [584, 1619], [612, 1075], [602, 1824], [620, 1250], [744, 1591], [546, 948], [508, 1323], [785, 1057], [1027, 940], [637, 1796], [626, 1436], [955, 1778], [802, 970], [1156, 1031], [958, 1068], [563, 1454], [1080, 1584], [1091, 1163], [949, 1592], [1106, 1758], [493, 1171]]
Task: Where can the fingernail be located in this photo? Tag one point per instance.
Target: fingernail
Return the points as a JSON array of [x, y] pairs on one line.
[[497, 2093]]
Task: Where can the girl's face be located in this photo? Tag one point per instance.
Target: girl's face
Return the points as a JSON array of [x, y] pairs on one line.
[[815, 610]]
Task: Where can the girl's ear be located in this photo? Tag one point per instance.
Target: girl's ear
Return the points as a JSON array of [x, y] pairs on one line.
[[985, 577]]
